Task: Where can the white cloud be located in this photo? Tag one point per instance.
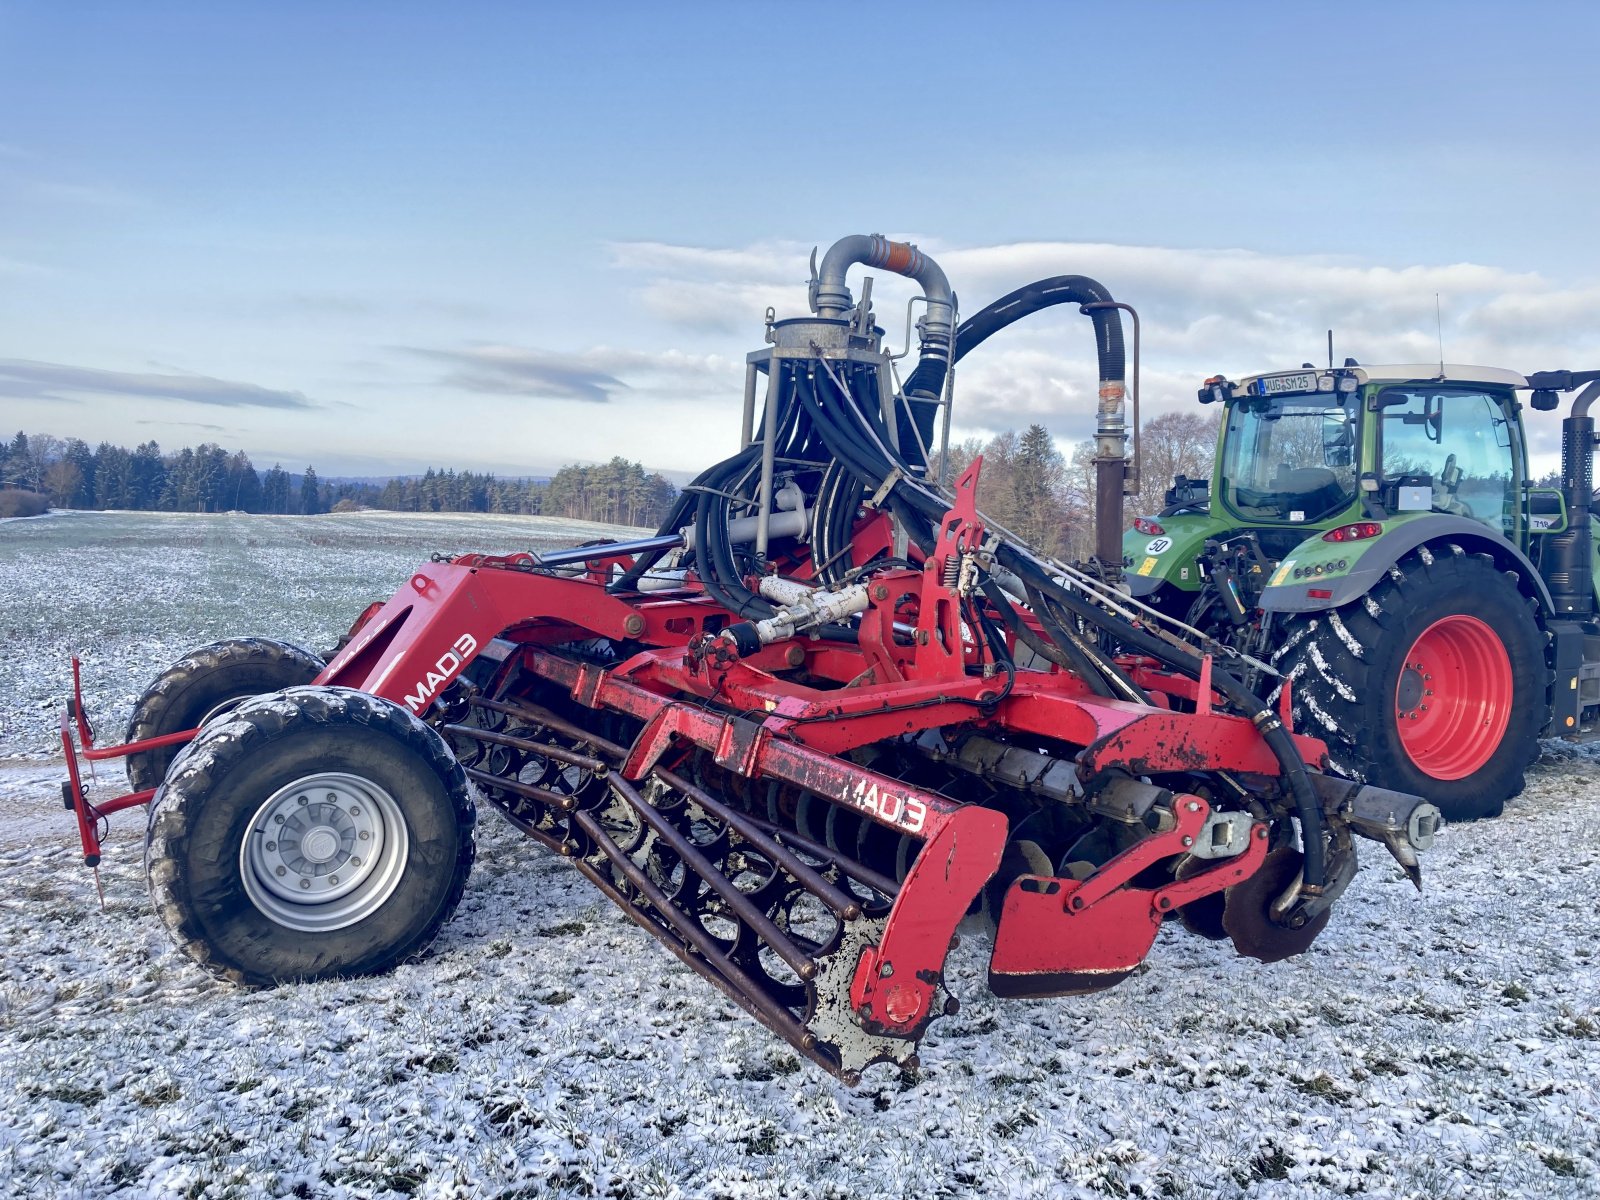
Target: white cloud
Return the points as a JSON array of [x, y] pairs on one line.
[[1205, 311], [597, 375], [46, 381]]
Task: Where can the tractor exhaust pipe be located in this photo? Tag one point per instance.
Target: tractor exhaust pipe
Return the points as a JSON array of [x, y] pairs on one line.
[[1575, 549], [1569, 558]]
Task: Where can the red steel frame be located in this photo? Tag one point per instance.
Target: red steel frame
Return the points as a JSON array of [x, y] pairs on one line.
[[416, 644]]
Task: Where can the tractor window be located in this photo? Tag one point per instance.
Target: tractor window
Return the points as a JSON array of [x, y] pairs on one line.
[[1458, 444], [1290, 458]]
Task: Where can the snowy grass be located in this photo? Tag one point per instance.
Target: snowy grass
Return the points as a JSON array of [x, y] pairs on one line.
[[1447, 1045], [134, 592]]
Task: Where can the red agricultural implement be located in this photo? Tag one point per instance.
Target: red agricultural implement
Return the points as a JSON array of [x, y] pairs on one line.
[[826, 714]]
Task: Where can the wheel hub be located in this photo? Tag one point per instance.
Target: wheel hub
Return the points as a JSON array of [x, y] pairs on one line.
[[324, 852], [321, 844], [1409, 693]]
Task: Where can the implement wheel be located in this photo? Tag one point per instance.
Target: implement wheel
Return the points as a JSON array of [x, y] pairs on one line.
[[205, 684], [311, 833], [1435, 682]]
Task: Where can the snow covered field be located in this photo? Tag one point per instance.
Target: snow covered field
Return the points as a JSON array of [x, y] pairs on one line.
[[1441, 1046]]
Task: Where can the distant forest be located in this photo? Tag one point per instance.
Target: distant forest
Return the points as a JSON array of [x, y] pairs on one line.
[[207, 478]]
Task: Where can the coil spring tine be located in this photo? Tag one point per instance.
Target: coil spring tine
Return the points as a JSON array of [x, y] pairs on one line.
[[847, 866], [548, 841], [780, 942], [842, 904]]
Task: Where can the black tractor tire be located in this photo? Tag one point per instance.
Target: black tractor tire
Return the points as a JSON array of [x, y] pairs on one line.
[[203, 684], [1352, 684], [282, 796]]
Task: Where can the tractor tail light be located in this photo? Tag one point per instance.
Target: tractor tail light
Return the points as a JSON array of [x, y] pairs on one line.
[[1357, 532], [1146, 526]]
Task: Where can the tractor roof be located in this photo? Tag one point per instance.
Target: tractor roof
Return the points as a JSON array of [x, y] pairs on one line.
[[1416, 372]]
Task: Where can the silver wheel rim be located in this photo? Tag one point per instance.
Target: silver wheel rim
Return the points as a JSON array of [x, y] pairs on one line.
[[324, 852]]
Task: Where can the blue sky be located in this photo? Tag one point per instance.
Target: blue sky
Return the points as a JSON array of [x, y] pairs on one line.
[[378, 236]]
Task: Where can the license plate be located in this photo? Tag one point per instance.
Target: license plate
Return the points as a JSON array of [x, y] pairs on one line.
[[1274, 385]]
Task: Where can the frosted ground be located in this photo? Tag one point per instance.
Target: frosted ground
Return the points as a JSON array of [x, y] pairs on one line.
[[1447, 1045]]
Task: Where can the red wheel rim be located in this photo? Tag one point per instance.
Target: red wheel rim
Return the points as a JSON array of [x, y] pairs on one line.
[[1453, 697]]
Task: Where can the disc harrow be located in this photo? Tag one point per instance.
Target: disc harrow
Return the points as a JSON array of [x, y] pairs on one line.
[[826, 714]]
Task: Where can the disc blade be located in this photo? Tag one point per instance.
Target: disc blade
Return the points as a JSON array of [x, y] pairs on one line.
[[1247, 919]]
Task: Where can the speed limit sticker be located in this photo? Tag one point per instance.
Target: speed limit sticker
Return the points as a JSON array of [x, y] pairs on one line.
[[1158, 545]]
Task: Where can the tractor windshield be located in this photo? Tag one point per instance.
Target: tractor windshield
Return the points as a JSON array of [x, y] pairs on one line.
[[1290, 458]]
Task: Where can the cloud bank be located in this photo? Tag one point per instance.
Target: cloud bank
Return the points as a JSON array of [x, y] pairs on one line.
[[1204, 311], [595, 376], [26, 379]]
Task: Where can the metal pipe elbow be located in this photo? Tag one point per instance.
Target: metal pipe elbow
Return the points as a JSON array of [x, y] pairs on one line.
[[831, 295]]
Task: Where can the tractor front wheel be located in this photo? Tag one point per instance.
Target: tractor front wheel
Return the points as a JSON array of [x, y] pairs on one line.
[[1434, 683], [314, 832], [203, 685]]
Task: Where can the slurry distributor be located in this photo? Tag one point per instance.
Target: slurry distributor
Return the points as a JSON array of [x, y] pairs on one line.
[[828, 712]]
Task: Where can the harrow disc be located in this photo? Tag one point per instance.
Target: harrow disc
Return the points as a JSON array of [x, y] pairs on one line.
[[1247, 918]]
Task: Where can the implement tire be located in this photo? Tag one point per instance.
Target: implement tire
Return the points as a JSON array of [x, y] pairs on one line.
[[204, 684], [312, 833], [1434, 683]]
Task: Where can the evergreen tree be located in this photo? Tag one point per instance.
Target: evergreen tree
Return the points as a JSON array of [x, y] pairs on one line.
[[147, 477], [275, 490], [19, 463], [244, 484], [80, 456], [310, 498], [113, 477]]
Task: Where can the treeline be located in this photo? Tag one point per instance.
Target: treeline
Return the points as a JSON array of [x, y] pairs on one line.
[[208, 478], [618, 492], [1028, 484], [1047, 497]]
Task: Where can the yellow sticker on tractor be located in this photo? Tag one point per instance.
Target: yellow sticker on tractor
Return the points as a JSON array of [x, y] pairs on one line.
[[1283, 572], [1147, 566]]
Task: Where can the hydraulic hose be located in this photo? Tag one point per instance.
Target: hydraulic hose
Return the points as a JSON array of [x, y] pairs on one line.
[[1067, 657], [1058, 624]]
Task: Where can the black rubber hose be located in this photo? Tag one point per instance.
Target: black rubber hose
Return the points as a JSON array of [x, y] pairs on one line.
[[681, 513], [1067, 657], [865, 459], [1058, 624], [1041, 294]]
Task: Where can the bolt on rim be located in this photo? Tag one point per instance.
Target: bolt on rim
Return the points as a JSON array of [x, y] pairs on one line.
[[324, 852]]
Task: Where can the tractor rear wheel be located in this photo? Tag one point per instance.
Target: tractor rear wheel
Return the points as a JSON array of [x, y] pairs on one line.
[[314, 832], [204, 684], [1434, 683]]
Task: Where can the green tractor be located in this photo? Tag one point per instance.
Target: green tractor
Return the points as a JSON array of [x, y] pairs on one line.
[[1371, 539]]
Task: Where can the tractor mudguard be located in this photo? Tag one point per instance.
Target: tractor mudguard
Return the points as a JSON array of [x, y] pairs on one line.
[[1346, 571], [1168, 557]]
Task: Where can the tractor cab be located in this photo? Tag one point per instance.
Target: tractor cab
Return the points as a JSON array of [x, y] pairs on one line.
[[1324, 455]]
